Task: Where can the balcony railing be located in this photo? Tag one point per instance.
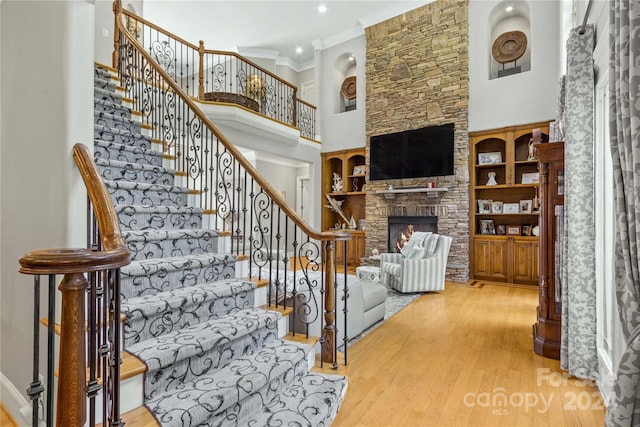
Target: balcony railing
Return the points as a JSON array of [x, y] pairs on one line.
[[212, 75]]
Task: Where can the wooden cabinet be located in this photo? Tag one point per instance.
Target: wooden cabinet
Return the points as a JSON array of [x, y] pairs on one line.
[[546, 332], [504, 203], [506, 259], [343, 179]]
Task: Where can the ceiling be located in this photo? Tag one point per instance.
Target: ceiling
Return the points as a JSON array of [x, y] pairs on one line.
[[272, 29]]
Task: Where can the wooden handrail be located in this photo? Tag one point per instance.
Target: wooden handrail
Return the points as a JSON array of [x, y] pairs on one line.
[[108, 224], [197, 48], [322, 235], [302, 101]]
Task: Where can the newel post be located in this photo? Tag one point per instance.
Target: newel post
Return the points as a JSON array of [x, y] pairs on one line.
[[201, 71], [117, 11], [329, 331], [72, 379]]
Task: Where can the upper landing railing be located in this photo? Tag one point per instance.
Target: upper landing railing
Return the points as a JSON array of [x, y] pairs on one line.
[[212, 75]]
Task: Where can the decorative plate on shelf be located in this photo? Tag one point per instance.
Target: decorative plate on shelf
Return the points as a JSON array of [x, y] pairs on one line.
[[348, 89], [509, 46]]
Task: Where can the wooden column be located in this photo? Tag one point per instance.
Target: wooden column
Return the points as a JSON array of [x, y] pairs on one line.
[[329, 331], [72, 380], [201, 71]]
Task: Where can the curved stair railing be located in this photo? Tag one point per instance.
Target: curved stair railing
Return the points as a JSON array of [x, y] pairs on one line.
[[297, 262], [213, 75], [90, 316]]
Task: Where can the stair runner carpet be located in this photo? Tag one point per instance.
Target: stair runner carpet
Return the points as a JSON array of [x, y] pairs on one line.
[[213, 358]]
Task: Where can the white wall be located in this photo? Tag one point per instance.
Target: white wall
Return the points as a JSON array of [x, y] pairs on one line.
[[46, 107], [522, 98], [341, 130]]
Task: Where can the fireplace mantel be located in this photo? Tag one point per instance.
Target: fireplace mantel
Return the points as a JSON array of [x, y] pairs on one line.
[[431, 192]]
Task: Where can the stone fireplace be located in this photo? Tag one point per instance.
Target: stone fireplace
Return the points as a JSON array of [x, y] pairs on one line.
[[417, 75], [400, 229]]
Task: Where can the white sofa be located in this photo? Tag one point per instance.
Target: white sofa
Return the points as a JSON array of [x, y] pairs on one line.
[[422, 266], [366, 304]]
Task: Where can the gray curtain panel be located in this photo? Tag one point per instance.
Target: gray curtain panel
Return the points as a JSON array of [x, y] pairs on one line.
[[624, 127], [578, 353]]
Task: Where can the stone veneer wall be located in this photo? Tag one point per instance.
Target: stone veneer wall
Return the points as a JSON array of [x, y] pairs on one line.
[[417, 75]]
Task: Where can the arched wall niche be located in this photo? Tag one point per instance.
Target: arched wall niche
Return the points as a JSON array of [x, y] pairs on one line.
[[506, 17], [345, 67]]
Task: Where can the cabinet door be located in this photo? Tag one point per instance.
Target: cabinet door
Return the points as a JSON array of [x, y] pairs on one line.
[[490, 259], [535, 274], [481, 258], [498, 259], [522, 261], [359, 249]]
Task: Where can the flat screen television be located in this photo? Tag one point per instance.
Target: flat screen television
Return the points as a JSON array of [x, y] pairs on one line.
[[417, 153]]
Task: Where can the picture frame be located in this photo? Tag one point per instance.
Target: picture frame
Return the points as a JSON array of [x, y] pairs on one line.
[[484, 206], [487, 226], [490, 158], [359, 169], [513, 230], [496, 207], [525, 206], [526, 230], [501, 229], [530, 178], [511, 208]]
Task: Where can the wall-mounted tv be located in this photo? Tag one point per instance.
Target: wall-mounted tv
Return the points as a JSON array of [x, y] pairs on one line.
[[416, 153]]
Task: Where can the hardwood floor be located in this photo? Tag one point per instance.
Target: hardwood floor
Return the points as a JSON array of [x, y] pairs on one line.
[[5, 418], [462, 358], [458, 358]]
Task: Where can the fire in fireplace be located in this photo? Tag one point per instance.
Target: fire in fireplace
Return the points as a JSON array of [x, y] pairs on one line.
[[402, 227]]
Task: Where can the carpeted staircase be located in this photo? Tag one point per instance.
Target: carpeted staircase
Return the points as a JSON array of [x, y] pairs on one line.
[[212, 357]]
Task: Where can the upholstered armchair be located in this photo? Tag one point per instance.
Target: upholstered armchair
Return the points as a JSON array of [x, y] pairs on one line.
[[422, 265]]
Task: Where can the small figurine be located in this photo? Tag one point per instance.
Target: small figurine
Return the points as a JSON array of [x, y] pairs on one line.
[[532, 150], [337, 183], [492, 178]]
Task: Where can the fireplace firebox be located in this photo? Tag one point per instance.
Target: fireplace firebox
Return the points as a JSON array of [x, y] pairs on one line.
[[400, 229]]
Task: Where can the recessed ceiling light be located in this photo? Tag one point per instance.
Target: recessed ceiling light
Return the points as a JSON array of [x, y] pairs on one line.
[[509, 8], [322, 8], [351, 58], [298, 49]]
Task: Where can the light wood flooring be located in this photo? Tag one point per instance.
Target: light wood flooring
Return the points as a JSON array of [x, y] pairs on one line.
[[452, 358], [448, 358]]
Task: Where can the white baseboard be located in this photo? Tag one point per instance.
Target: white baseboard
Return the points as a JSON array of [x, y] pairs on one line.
[[15, 402]]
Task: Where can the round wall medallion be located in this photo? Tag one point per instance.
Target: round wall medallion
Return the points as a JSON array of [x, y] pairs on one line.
[[509, 46], [348, 89]]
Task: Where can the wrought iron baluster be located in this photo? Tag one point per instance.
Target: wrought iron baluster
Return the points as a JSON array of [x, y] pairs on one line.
[[36, 387]]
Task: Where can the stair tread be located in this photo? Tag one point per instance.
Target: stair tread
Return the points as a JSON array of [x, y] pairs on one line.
[[110, 116], [149, 266], [157, 209], [129, 185], [165, 350], [149, 303], [312, 400], [212, 393], [138, 166], [154, 235], [125, 147]]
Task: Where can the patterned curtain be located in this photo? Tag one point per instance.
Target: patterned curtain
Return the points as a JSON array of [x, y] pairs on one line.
[[624, 125], [578, 353]]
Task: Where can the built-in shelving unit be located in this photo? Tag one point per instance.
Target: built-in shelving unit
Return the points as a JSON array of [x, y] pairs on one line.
[[351, 198], [504, 204]]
